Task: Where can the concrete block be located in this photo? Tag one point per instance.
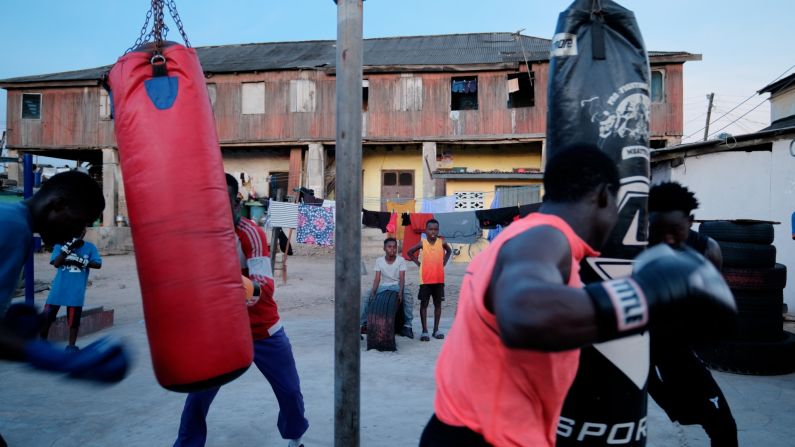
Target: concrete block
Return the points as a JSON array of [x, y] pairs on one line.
[[92, 320]]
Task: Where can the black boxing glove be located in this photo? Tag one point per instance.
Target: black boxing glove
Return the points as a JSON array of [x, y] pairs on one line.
[[667, 288]]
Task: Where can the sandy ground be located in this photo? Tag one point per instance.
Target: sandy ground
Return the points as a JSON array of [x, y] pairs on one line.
[[37, 409]]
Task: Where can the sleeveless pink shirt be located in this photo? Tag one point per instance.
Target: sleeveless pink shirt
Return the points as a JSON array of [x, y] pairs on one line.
[[512, 397]]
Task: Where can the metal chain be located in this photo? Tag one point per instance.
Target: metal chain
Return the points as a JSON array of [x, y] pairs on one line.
[[159, 30], [172, 8], [158, 27], [144, 37]]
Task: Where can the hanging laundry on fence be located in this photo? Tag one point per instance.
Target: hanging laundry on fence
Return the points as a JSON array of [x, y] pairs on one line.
[[315, 225], [282, 214], [460, 227]]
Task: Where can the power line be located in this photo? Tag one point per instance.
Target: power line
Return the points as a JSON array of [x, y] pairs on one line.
[[740, 117], [743, 102], [756, 106]]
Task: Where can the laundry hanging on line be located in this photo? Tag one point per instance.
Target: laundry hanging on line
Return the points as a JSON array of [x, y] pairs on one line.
[[460, 227], [282, 214], [400, 207], [524, 210], [376, 219], [412, 233], [315, 225], [492, 218], [444, 204]]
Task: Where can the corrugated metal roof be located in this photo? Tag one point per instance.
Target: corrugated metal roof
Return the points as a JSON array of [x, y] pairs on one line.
[[450, 49], [781, 123], [779, 85]]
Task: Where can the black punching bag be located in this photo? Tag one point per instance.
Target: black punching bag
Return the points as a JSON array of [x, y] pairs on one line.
[[599, 93]]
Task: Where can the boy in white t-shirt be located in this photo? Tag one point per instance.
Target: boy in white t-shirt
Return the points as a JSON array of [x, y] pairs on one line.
[[390, 274]]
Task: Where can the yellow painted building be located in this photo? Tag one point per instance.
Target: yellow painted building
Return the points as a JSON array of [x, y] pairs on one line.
[[401, 172]]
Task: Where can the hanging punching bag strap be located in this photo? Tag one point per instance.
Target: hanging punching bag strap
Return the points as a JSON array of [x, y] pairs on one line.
[[597, 31], [158, 61]]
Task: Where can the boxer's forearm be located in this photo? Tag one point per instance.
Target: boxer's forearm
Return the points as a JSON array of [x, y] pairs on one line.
[[545, 317]]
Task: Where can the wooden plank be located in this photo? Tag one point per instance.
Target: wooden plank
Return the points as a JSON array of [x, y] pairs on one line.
[[296, 168]]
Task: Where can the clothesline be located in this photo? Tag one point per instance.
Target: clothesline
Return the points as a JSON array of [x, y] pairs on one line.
[[315, 223]]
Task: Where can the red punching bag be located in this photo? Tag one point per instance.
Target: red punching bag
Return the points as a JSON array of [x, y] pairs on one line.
[[180, 217]]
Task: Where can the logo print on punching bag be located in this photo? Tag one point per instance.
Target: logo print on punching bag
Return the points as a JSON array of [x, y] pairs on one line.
[[625, 114]]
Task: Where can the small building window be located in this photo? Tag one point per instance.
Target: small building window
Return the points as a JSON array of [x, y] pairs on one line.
[[31, 106], [406, 179], [390, 178], [105, 112], [212, 93], [253, 98], [657, 86], [365, 94], [520, 90], [658, 144], [464, 93], [302, 95], [408, 93]]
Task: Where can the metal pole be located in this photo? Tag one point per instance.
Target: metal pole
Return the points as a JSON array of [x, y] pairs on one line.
[[347, 284], [710, 97], [27, 192]]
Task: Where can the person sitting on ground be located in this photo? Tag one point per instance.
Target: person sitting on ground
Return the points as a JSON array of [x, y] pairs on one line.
[[390, 275], [678, 380], [72, 261], [435, 254], [523, 313]]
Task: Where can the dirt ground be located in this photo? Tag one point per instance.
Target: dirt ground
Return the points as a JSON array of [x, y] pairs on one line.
[[37, 409]]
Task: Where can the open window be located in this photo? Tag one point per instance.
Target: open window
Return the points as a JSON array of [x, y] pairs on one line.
[[520, 90], [658, 143], [464, 93]]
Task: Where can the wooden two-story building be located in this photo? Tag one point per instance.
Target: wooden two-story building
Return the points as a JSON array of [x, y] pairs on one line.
[[442, 114]]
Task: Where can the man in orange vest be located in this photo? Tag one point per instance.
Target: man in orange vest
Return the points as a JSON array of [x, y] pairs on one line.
[[523, 313]]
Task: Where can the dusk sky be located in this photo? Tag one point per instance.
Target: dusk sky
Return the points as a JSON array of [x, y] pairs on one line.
[[745, 45]]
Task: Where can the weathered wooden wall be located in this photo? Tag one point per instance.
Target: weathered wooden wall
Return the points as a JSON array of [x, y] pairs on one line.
[[71, 115], [667, 117], [69, 119]]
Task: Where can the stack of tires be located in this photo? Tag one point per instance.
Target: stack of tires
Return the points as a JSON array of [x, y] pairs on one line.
[[760, 346]]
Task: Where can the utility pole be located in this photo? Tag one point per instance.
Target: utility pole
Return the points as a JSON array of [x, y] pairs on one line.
[[710, 97], [348, 231]]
